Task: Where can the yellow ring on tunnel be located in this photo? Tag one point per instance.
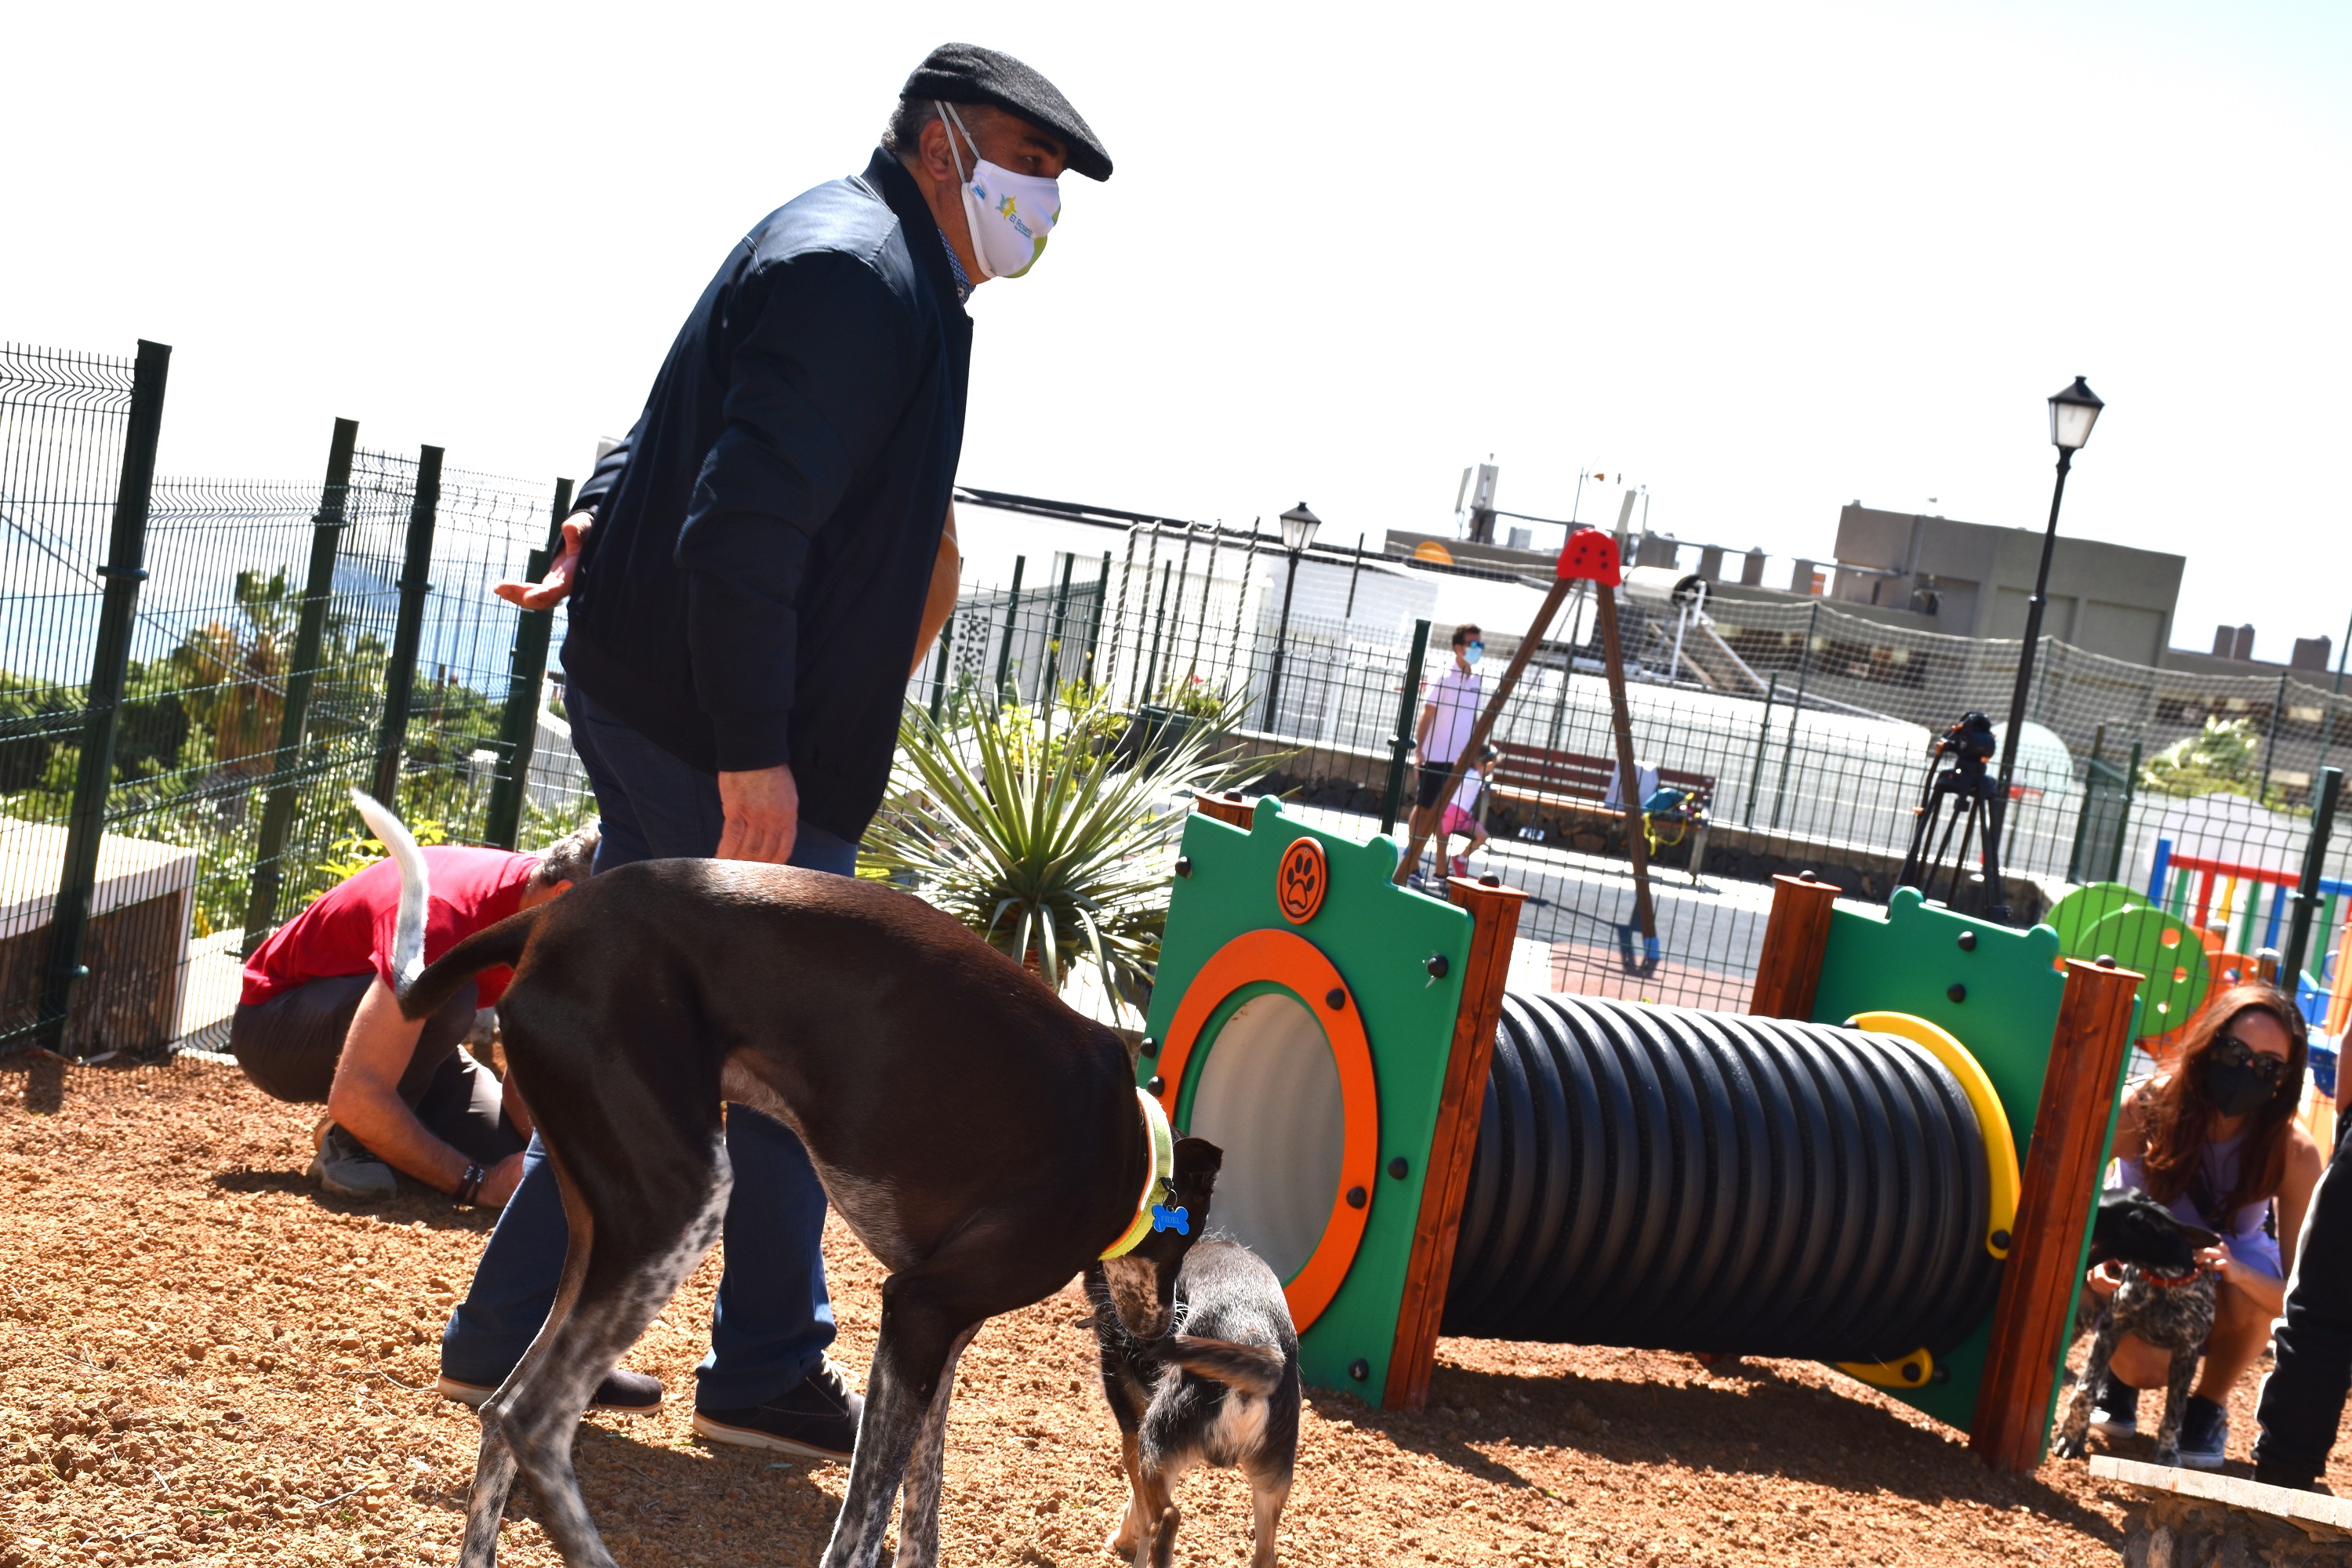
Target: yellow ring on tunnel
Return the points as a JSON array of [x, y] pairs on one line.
[[1993, 1120]]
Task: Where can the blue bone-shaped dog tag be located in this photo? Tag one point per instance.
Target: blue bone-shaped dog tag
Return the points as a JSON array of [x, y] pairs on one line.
[[1176, 1219]]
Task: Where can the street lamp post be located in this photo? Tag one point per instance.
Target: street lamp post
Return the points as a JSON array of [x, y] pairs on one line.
[[2072, 412], [1298, 526]]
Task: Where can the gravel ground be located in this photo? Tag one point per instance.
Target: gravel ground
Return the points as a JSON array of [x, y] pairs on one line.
[[204, 1362]]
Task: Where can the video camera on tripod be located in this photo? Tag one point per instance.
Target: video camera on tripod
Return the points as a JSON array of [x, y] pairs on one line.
[[1962, 794]]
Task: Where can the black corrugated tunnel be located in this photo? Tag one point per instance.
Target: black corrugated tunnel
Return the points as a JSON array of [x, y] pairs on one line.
[[1664, 1178]]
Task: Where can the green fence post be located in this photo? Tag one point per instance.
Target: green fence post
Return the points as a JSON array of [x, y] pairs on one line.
[[278, 813], [1804, 671], [400, 674], [2122, 819], [1053, 635], [2270, 741], [2315, 865], [1011, 618], [526, 680], [940, 679], [1159, 626], [1401, 743], [124, 570], [1094, 619], [1763, 743]]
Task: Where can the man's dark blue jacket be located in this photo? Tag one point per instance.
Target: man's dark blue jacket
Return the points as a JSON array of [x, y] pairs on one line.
[[751, 592]]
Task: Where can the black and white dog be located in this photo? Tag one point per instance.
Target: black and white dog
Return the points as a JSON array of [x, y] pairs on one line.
[[1221, 1389], [983, 1140], [2166, 1298]]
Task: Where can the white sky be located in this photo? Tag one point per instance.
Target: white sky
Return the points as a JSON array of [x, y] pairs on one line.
[[1763, 259]]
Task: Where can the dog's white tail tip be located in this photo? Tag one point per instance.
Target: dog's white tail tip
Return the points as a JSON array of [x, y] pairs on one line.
[[408, 931]]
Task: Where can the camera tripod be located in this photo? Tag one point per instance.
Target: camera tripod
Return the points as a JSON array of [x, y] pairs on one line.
[[1961, 796]]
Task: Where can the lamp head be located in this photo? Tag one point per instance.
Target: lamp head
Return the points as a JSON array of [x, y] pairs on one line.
[[2072, 412], [1298, 526]]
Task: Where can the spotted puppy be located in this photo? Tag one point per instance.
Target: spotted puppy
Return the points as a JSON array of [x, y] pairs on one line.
[[2166, 1298], [1222, 1390]]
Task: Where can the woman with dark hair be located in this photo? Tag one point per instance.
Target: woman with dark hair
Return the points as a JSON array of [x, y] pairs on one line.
[[2214, 1137]]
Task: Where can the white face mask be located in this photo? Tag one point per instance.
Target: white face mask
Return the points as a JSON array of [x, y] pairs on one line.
[[1008, 214]]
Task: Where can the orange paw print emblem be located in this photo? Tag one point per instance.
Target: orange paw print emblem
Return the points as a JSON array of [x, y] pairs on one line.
[[1301, 881]]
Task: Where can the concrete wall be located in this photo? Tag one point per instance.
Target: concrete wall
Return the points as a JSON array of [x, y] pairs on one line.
[[2110, 599]]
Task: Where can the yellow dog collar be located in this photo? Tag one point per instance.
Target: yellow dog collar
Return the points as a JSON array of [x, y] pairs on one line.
[[1155, 1186]]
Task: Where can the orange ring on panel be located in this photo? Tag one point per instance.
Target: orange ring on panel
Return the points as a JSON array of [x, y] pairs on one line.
[[1291, 960]]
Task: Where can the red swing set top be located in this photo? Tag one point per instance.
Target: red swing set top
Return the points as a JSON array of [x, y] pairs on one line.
[[1590, 556]]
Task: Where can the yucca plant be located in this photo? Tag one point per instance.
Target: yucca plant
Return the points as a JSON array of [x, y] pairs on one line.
[[1044, 833]]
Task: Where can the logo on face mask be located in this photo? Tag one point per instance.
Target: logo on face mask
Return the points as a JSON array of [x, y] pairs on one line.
[[1006, 241]]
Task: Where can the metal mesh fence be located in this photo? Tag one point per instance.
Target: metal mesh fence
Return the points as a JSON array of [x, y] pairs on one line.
[[1802, 733], [484, 530], [250, 707], [1795, 733], [62, 423]]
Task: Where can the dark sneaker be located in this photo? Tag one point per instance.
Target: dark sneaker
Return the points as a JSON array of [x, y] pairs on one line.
[[2204, 1434], [2115, 1410], [343, 1167], [816, 1420], [623, 1392]]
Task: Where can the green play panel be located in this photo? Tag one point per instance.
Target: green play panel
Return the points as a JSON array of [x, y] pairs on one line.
[[2167, 950], [1382, 939], [1996, 990], [2073, 916]]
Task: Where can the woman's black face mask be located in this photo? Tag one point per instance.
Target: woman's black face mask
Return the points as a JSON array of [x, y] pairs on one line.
[[2239, 1079]]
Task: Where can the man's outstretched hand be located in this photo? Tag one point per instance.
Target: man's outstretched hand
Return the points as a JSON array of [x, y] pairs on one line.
[[763, 815], [553, 589]]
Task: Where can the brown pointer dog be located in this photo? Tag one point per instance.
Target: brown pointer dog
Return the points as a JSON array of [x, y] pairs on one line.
[[983, 1140]]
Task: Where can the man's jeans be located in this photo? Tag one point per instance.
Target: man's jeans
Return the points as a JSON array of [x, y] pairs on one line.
[[774, 1319], [2302, 1397]]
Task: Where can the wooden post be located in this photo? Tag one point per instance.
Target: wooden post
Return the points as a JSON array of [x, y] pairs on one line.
[[1227, 807], [1495, 913], [1796, 938], [2034, 1317], [1629, 777]]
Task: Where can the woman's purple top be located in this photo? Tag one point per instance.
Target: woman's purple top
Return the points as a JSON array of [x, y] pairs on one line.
[[2243, 1235]]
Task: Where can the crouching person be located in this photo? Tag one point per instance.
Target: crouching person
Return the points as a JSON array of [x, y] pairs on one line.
[[316, 1024]]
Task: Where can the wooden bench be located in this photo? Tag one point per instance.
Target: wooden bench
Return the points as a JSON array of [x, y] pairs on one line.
[[1539, 788]]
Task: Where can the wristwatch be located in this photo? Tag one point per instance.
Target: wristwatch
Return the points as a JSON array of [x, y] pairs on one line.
[[469, 1186]]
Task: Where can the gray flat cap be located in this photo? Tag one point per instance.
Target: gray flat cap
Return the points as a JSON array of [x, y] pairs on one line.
[[966, 73]]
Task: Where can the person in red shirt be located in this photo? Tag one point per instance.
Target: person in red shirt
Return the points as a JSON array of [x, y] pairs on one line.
[[317, 1024]]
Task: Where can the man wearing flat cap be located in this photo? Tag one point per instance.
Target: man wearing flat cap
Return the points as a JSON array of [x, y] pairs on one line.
[[752, 574]]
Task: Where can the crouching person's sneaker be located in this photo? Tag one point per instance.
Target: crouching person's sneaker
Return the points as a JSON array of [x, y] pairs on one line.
[[2115, 1410], [344, 1167], [2204, 1434], [623, 1392], [816, 1420]]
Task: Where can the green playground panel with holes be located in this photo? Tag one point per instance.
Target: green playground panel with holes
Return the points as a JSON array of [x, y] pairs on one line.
[[1379, 937], [2107, 920], [2073, 916], [2167, 950], [1997, 991]]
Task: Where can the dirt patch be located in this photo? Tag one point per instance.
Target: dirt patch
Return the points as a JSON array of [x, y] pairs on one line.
[[205, 1362]]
